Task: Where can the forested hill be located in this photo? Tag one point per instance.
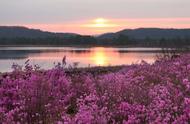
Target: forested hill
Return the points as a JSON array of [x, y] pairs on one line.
[[23, 32], [15, 35], [143, 37], [151, 37], [153, 33]]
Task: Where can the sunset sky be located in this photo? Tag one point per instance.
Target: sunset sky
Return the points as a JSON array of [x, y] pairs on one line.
[[94, 16]]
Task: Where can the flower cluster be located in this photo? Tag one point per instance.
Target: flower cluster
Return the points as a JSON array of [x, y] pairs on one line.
[[139, 93]]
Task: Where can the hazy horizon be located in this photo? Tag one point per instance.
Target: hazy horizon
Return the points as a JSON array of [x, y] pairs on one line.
[[87, 34]]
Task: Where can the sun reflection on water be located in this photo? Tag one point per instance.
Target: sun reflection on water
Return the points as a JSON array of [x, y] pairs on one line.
[[99, 57]]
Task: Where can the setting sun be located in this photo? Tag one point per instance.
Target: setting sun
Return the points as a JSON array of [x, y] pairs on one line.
[[101, 23], [100, 20]]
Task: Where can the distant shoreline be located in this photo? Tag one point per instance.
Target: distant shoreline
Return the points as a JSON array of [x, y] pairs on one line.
[[127, 38], [88, 46]]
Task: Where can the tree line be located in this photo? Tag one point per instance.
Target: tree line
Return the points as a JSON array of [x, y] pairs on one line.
[[121, 40]]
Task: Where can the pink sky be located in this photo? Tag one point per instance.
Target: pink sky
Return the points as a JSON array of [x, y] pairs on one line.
[[118, 24], [78, 16]]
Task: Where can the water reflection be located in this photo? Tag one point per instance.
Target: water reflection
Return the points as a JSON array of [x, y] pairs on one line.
[[97, 56], [100, 57]]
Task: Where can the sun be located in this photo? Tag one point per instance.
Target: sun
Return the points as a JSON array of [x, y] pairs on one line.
[[100, 22], [101, 25]]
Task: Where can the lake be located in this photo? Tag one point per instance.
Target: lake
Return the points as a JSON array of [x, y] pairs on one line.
[[47, 57]]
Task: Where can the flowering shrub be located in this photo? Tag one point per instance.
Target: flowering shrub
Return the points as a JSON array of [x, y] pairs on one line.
[[144, 93]]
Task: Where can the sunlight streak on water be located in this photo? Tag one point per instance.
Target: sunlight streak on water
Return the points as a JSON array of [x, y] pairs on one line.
[[96, 56]]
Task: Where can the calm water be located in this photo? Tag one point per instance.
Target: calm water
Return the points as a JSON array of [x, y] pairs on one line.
[[45, 57]]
